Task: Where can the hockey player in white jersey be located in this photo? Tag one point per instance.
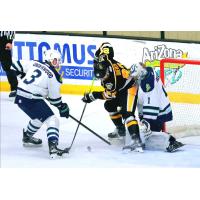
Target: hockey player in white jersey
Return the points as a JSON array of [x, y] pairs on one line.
[[153, 107], [41, 80]]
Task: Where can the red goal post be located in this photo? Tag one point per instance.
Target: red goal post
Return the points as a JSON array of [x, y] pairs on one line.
[[185, 94]]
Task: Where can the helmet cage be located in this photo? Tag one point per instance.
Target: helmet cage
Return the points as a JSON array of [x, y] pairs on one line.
[[101, 66]]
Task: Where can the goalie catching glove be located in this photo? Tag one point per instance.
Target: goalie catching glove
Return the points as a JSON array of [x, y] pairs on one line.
[[88, 98], [63, 110]]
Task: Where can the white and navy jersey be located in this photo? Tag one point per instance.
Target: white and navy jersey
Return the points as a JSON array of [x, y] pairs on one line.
[[153, 102], [40, 81]]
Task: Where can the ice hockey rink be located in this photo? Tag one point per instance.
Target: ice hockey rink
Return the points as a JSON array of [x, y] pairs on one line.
[[102, 155]]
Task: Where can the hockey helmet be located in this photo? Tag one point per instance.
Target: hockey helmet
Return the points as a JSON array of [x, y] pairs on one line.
[[53, 57], [138, 71], [107, 49], [101, 59]]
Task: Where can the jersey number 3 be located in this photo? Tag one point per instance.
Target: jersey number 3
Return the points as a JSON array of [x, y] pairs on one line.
[[37, 73]]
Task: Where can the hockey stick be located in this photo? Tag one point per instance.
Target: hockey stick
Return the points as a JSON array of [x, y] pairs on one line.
[[80, 119], [89, 129]]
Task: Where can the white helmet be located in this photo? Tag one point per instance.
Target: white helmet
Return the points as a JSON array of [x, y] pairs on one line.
[[138, 71], [53, 57]]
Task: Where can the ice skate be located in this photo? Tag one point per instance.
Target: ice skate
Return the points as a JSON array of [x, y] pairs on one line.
[[29, 140], [55, 152], [174, 146], [118, 135], [135, 145]]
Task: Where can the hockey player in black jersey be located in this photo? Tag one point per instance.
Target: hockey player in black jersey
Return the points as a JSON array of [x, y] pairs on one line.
[[119, 95]]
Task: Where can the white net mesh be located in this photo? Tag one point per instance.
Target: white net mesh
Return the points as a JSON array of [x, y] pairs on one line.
[[183, 86]]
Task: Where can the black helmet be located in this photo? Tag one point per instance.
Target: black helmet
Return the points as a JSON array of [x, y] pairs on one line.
[[101, 59], [107, 49]]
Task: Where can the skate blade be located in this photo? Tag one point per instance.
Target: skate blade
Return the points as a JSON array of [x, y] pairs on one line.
[[53, 156], [136, 150], [139, 150], [56, 156], [182, 145], [31, 145], [173, 151], [177, 149]]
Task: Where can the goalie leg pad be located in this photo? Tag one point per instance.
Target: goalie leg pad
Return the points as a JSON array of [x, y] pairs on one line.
[[157, 141]]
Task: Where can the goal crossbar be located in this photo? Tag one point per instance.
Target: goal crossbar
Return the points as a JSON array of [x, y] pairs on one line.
[[175, 61]]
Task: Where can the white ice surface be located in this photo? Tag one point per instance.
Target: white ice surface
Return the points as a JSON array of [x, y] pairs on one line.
[[14, 155]]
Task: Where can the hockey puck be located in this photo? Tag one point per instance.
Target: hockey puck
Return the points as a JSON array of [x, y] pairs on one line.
[[89, 148]]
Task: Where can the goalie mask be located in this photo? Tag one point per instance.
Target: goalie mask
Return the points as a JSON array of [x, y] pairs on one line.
[[138, 71], [53, 57]]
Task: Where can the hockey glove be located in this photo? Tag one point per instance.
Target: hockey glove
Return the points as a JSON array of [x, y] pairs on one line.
[[64, 110], [88, 98], [145, 128]]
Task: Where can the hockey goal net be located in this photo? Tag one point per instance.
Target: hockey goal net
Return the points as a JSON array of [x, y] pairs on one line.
[[181, 78]]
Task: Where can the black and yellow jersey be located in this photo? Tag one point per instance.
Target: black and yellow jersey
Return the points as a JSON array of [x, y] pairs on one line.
[[116, 81]]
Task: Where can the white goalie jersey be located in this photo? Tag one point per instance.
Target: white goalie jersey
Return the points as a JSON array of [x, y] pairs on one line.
[[40, 81], [153, 102]]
